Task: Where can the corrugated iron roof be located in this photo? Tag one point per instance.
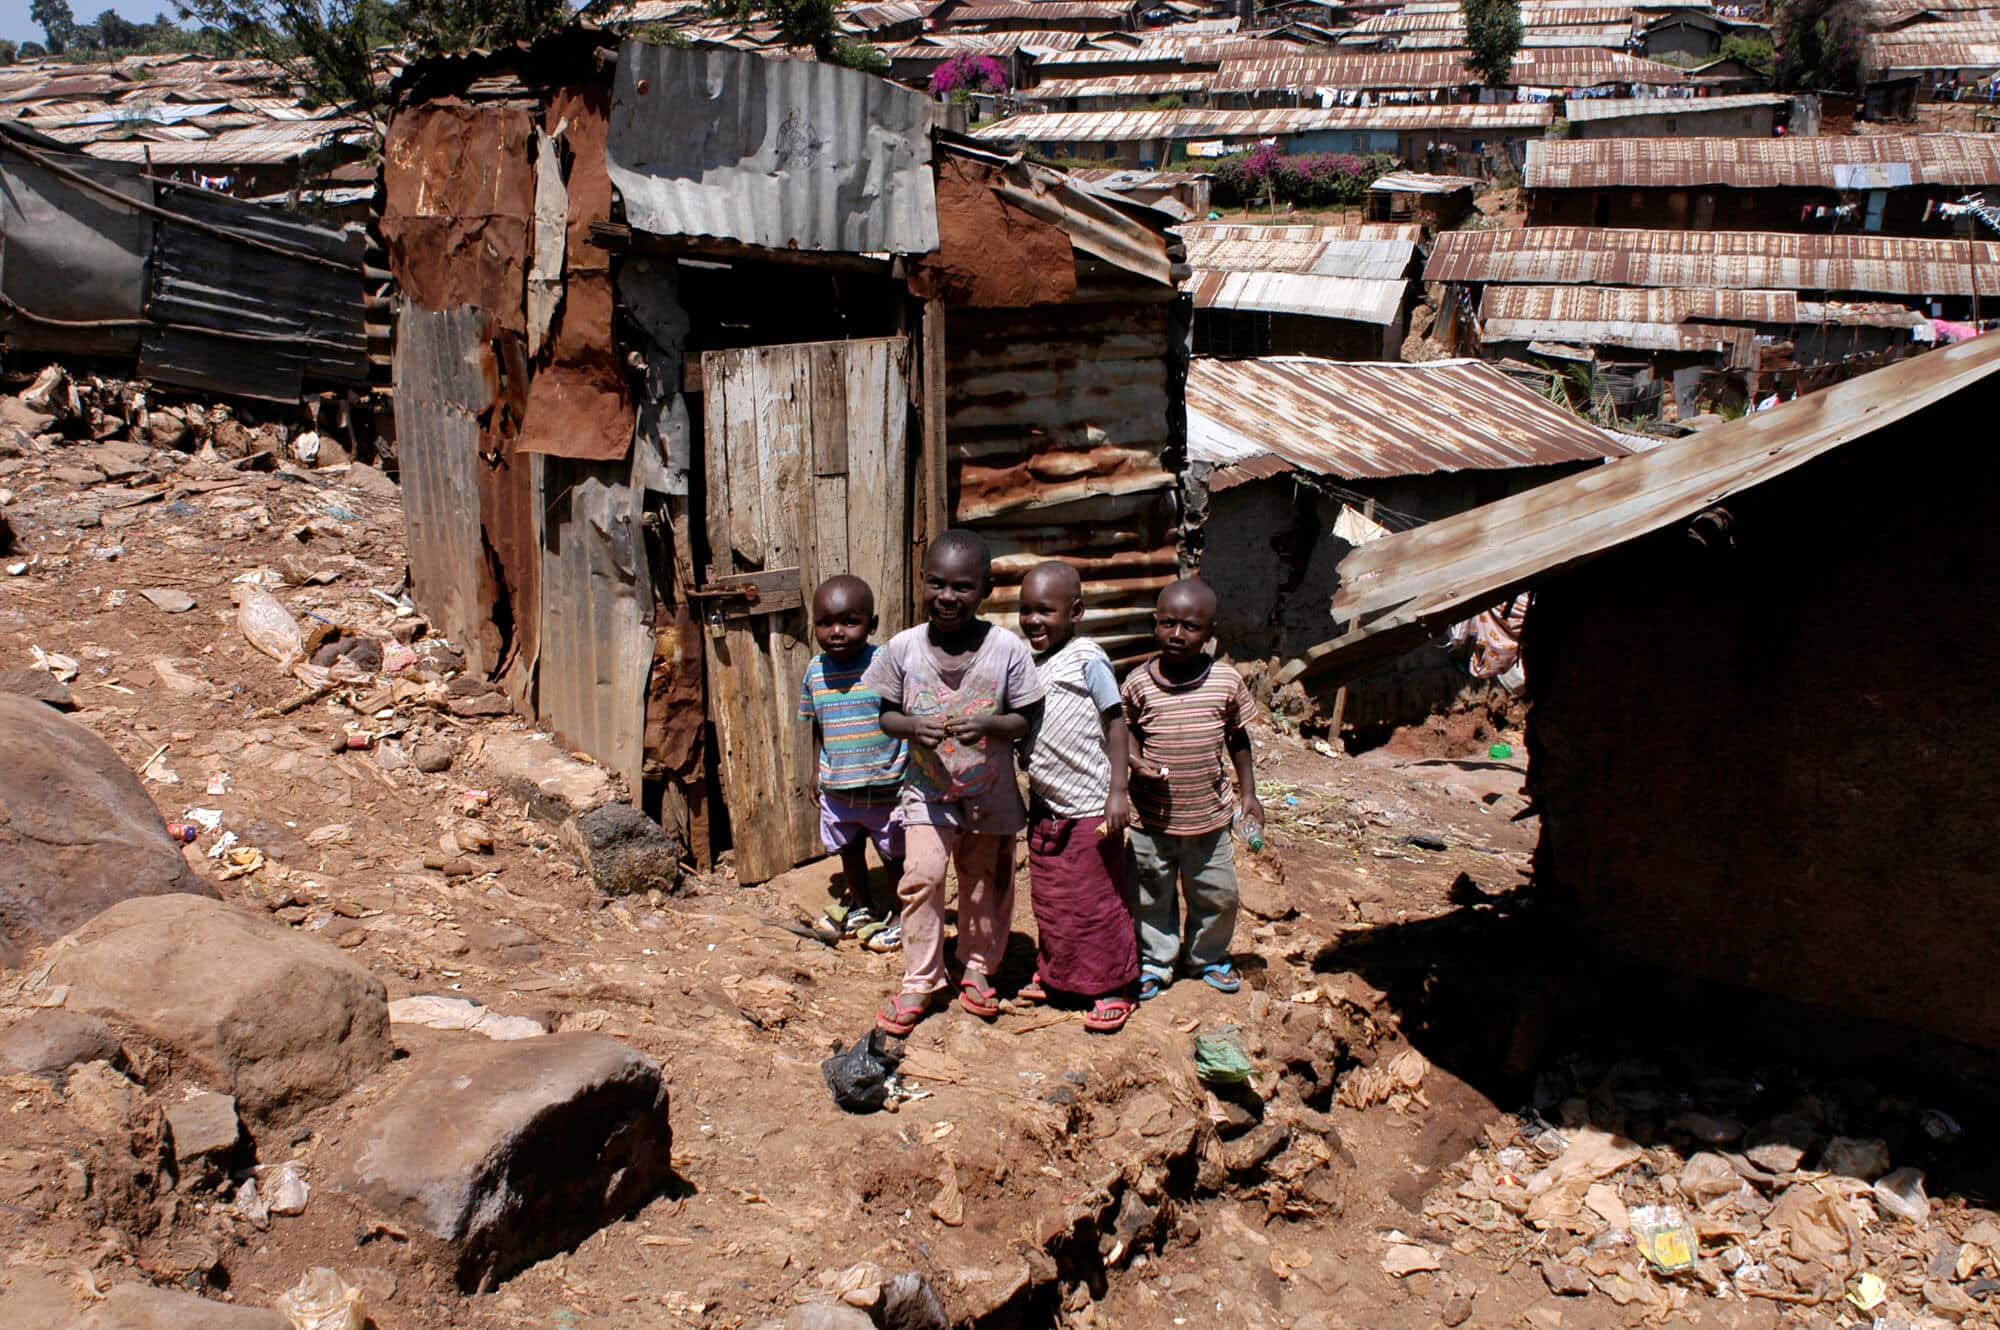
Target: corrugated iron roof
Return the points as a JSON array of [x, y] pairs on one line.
[[1360, 299], [1714, 338], [1396, 590], [1117, 85], [1939, 54], [1437, 69], [944, 45], [261, 145], [1583, 110], [1416, 182], [1532, 39], [1192, 123], [1365, 249], [1638, 305], [1358, 420], [788, 154], [1960, 161], [1737, 260], [1011, 11]]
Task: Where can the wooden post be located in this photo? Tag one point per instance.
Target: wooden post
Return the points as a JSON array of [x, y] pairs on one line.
[[934, 488]]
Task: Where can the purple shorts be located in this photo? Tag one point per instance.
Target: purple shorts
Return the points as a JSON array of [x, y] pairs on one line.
[[842, 820]]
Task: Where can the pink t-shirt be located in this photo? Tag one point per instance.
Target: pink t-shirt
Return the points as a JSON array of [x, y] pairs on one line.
[[968, 785]]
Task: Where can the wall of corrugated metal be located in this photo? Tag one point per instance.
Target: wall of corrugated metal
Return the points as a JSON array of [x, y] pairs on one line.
[[67, 253], [1062, 439], [443, 383]]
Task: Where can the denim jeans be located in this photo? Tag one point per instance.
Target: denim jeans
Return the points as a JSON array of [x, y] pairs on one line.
[[1166, 868]]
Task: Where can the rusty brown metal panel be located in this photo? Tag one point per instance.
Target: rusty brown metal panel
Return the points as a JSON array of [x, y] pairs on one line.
[[444, 383], [1058, 418], [459, 201], [1638, 304], [1888, 265], [1584, 110], [1400, 587], [1962, 161], [1357, 420], [1133, 126], [1436, 70]]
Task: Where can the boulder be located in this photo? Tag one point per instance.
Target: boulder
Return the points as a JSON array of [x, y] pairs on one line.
[[47, 1042], [627, 853], [282, 1021], [141, 1307], [77, 831], [40, 685], [505, 1153], [554, 785]]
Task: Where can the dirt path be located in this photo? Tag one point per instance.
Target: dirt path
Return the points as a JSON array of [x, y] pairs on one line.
[[1045, 1176]]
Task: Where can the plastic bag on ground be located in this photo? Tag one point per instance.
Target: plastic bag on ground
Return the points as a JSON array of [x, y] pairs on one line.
[[1221, 1057], [268, 625], [322, 1300], [859, 1075]]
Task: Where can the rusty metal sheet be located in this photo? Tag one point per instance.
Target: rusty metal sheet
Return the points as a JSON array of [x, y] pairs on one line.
[[1959, 161], [1395, 590], [68, 253], [1361, 299], [1172, 84], [459, 195], [579, 404], [1112, 15], [1889, 265], [649, 295], [1358, 420], [1428, 70], [260, 145], [1584, 110], [597, 636], [445, 382], [1417, 182], [1210, 122], [1638, 304], [790, 154], [1371, 250]]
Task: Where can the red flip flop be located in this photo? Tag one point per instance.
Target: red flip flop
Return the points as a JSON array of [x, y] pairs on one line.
[[899, 1016], [1032, 991], [1109, 1015], [979, 997]]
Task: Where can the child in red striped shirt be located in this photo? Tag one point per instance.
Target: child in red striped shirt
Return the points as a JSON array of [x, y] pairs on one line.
[[1187, 713]]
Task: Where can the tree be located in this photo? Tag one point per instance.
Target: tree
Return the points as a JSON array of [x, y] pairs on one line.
[[33, 51], [8, 52], [57, 20], [1493, 34], [117, 33], [1819, 45]]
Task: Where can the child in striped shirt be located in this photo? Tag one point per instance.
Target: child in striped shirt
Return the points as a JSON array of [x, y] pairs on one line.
[[1077, 808], [859, 776], [1187, 713]]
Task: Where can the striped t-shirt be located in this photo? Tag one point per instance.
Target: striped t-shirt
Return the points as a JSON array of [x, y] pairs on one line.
[[1069, 772], [1182, 727], [854, 754]]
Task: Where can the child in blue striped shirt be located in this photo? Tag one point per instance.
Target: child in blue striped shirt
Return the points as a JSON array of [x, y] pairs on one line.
[[859, 776]]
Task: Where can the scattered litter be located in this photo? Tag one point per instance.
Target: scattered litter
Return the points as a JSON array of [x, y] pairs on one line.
[[948, 1208], [1500, 752], [1401, 1078], [1940, 1126], [340, 514], [208, 819], [187, 833], [1404, 1259], [240, 863], [251, 1206], [1869, 1292], [286, 1189], [223, 846], [168, 600], [861, 1077], [322, 1300], [306, 446], [1901, 1193], [64, 668], [1221, 1057], [218, 782], [269, 626], [1664, 1237]]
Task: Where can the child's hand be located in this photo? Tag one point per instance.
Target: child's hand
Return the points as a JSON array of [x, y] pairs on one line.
[[1253, 807], [929, 731], [968, 729], [1139, 768], [1117, 813]]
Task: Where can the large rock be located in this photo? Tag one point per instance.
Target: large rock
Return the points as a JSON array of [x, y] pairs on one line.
[[508, 1152], [283, 1022], [47, 1042], [626, 853], [77, 831], [140, 1307]]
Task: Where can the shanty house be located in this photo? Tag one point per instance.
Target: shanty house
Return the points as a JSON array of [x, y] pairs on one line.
[[1816, 820], [1434, 202], [686, 331], [1291, 460], [1338, 291], [1883, 184], [1747, 115]]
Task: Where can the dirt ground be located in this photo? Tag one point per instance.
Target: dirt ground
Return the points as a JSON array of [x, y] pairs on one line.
[[1045, 1177]]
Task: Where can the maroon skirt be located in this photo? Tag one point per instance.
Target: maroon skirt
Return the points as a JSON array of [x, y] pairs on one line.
[[1077, 884]]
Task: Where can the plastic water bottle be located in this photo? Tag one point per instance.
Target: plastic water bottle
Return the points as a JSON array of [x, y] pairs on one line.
[[1250, 829]]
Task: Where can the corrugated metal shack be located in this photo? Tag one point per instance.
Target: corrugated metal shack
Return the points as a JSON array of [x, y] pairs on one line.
[[1692, 591], [1337, 291], [1293, 460], [687, 330], [198, 289]]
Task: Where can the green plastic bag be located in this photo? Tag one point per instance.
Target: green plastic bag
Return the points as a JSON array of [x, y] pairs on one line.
[[1221, 1057]]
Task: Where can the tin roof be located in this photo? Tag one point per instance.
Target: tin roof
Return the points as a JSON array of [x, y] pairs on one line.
[[1590, 304], [1738, 260], [1192, 123], [260, 145], [1925, 53], [1586, 109], [1359, 299], [1396, 590], [1010, 11], [1416, 182], [1874, 162], [1569, 67], [1357, 420], [1116, 85], [1360, 249]]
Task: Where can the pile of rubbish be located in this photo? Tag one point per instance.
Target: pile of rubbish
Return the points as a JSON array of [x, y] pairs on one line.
[[1796, 1198]]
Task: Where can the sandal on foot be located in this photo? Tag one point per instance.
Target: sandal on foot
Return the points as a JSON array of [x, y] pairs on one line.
[[1150, 987], [899, 1016], [1032, 991], [1109, 1015], [1222, 978], [979, 997]]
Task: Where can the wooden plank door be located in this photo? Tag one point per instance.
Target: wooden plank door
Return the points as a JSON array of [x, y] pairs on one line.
[[808, 475]]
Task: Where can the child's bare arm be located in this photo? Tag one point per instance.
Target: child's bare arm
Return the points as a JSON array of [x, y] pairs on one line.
[[1117, 745], [1006, 726], [1238, 744], [900, 724]]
